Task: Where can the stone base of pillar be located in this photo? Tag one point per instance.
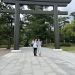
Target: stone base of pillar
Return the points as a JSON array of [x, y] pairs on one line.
[[57, 49], [15, 51]]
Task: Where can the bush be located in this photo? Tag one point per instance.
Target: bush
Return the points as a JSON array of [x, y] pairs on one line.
[[3, 46], [65, 44]]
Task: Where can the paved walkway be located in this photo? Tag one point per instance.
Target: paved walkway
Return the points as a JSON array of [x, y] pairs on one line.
[[50, 63]]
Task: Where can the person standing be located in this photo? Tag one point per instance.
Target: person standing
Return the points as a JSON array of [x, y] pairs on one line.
[[35, 45], [39, 46]]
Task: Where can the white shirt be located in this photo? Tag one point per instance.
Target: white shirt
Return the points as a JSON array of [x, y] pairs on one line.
[[35, 44], [39, 43]]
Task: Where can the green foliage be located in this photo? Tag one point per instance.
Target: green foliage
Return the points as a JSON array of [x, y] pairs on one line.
[[6, 29], [68, 32], [36, 26]]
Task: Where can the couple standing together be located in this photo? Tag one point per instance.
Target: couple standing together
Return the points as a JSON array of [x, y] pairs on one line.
[[36, 46]]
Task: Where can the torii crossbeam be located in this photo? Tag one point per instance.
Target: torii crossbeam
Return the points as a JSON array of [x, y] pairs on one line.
[[39, 2], [12, 11]]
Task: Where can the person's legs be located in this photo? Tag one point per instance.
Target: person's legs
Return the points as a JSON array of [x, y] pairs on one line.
[[35, 51], [39, 51]]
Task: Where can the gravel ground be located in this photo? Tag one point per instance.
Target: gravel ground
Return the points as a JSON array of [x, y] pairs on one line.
[[4, 51]]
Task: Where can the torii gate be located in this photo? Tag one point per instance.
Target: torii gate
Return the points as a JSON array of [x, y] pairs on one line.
[[17, 11]]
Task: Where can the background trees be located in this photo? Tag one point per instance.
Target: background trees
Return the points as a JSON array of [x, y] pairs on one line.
[[34, 26], [68, 33], [6, 28], [38, 26]]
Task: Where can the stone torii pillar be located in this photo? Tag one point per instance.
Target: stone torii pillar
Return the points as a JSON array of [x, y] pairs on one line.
[[56, 27], [17, 25]]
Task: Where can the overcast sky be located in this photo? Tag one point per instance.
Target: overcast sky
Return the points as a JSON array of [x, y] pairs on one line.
[[70, 8]]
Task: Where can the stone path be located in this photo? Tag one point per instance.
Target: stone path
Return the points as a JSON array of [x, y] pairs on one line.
[[50, 63]]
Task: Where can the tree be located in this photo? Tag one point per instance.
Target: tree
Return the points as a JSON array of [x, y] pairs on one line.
[[38, 26], [73, 14], [62, 21], [68, 32], [6, 28]]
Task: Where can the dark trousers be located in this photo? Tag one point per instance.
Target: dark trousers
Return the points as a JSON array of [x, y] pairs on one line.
[[35, 51]]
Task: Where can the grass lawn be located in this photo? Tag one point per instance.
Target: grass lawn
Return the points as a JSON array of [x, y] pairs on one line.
[[72, 48]]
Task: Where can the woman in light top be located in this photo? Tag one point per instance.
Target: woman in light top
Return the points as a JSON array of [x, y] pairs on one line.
[[39, 46]]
